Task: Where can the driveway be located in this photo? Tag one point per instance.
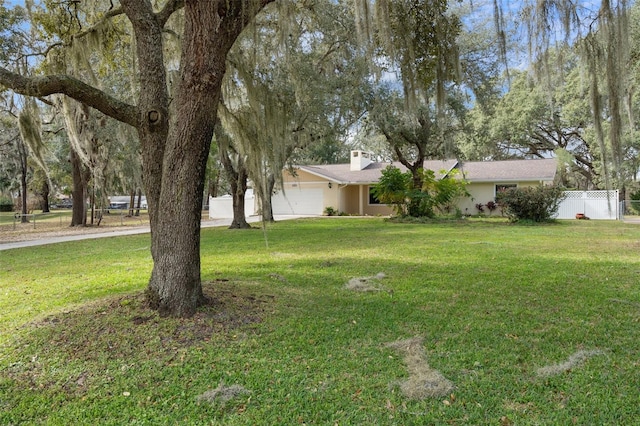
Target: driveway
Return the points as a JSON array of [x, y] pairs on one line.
[[121, 232]]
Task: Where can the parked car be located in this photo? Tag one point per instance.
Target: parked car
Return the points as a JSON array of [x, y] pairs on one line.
[[63, 204], [118, 206]]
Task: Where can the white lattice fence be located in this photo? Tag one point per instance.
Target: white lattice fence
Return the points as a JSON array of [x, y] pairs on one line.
[[593, 204]]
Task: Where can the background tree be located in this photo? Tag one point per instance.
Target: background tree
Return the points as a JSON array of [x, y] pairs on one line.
[[296, 79], [215, 183], [104, 153], [9, 156], [531, 122], [570, 100], [17, 42], [23, 145], [420, 43], [234, 164], [450, 70], [601, 35]]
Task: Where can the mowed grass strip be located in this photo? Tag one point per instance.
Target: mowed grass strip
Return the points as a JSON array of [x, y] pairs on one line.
[[287, 341]]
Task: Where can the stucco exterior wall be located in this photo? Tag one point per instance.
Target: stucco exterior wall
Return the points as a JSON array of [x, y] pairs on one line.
[[301, 176], [348, 199], [374, 209], [483, 192], [479, 193], [331, 195], [354, 199], [303, 181]]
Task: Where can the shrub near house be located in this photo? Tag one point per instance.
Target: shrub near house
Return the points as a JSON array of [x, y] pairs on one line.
[[436, 195], [535, 203]]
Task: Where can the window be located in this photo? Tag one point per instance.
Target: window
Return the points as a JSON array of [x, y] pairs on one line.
[[373, 200], [504, 187]]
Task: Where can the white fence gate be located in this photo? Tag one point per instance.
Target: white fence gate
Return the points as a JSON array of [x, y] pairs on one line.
[[222, 207], [593, 204]]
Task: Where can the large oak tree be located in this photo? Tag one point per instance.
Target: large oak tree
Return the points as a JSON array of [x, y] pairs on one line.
[[175, 139]]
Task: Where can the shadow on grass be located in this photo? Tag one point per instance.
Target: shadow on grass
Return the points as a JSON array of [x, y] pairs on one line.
[[283, 325]]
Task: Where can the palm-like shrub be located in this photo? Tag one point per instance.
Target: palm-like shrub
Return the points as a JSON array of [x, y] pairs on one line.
[[397, 189]]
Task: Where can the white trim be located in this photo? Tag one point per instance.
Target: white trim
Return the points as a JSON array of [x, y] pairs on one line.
[[306, 182], [538, 180], [320, 175], [503, 183]]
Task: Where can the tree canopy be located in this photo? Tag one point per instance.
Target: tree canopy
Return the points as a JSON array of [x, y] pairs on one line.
[[283, 76]]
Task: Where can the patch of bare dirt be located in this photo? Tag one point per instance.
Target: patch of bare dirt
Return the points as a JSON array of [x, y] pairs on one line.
[[125, 330], [124, 327]]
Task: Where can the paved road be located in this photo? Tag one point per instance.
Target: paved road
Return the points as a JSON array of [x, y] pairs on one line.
[[134, 231]]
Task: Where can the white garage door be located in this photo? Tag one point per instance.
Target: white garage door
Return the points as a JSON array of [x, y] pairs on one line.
[[298, 201]]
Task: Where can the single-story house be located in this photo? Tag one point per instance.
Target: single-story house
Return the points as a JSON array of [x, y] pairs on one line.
[[347, 187]]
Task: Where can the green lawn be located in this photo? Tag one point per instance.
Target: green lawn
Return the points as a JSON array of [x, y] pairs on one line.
[[59, 221], [522, 325], [8, 218]]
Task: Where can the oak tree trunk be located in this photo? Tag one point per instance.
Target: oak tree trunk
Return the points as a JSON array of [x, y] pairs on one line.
[[23, 154], [44, 193], [237, 176], [238, 193], [92, 203], [80, 176], [132, 200], [139, 202], [210, 30], [267, 205]]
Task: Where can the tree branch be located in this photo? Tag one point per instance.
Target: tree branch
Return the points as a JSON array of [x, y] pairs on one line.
[[169, 9], [74, 88], [401, 158], [108, 15]]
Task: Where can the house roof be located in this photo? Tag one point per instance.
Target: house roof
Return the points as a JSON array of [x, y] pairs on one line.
[[510, 170], [473, 171]]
